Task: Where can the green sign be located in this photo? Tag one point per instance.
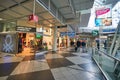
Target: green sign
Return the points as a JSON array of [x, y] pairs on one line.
[[95, 32]]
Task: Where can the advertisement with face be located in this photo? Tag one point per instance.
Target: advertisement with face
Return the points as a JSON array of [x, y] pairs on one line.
[[103, 16]]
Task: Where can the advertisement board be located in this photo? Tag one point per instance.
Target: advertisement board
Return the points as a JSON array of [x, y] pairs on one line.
[[103, 16]]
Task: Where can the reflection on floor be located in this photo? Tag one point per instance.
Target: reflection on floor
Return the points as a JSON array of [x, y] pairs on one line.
[[60, 65]]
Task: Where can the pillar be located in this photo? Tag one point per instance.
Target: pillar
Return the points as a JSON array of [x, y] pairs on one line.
[[54, 47]]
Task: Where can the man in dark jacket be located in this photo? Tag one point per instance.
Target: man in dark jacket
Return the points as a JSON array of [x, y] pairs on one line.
[[83, 46], [78, 45]]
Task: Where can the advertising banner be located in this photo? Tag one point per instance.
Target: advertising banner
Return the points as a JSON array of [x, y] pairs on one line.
[[104, 11], [103, 16]]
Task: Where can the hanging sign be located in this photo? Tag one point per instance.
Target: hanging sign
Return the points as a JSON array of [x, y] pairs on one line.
[[33, 18]]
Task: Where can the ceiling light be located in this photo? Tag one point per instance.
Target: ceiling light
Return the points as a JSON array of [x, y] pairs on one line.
[[1, 19], [50, 25]]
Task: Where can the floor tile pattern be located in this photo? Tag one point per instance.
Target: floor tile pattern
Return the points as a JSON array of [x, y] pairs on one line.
[[61, 65]]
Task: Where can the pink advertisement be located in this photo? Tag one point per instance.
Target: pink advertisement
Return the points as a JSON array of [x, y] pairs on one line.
[[104, 11]]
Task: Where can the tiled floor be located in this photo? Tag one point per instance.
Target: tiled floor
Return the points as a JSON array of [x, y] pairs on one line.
[[60, 65]]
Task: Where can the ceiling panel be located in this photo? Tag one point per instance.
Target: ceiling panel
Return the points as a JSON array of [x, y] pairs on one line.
[[46, 15], [1, 8], [66, 10], [58, 24], [11, 13], [80, 1], [60, 3], [7, 3], [53, 20], [19, 1], [69, 16], [83, 5], [84, 20], [39, 8], [29, 5], [5, 16], [21, 10], [45, 22]]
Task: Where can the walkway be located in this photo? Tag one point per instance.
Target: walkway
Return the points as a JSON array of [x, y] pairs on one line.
[[61, 65]]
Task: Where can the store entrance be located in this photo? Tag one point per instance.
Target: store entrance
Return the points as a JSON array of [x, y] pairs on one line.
[[26, 43]]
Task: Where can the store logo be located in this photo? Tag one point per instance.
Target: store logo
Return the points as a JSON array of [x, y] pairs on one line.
[[8, 46]]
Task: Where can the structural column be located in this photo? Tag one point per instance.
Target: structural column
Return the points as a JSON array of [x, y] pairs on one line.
[[54, 47]]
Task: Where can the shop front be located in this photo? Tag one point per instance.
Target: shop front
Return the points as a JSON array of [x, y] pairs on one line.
[[26, 38], [16, 39], [47, 38]]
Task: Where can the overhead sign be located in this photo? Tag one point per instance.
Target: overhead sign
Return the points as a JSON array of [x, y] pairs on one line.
[[95, 32], [33, 18], [25, 29], [108, 30], [70, 34]]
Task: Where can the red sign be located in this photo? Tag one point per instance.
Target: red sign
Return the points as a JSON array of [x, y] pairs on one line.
[[33, 18], [102, 11]]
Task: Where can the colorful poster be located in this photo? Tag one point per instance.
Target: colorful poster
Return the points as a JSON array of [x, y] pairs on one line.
[[103, 22], [104, 11], [103, 16]]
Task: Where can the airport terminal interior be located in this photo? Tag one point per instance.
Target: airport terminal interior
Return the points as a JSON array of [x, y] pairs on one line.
[[59, 39]]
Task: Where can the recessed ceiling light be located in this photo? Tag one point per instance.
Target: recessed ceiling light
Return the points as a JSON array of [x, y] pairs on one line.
[[1, 19], [50, 25]]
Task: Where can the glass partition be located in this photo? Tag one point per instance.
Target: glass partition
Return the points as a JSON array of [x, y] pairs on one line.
[[108, 64]]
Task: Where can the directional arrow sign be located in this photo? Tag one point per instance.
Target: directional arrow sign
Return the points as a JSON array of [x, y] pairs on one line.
[[95, 32]]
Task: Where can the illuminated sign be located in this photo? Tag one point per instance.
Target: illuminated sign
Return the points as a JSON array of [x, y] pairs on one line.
[[25, 29]]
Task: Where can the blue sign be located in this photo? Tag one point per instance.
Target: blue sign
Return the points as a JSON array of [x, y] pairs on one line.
[[63, 33], [70, 34], [98, 22], [109, 30]]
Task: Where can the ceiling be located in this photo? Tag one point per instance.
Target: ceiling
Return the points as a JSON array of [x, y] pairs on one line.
[[50, 12], [12, 10]]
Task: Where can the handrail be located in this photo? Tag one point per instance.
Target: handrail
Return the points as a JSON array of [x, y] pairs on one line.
[[108, 55]]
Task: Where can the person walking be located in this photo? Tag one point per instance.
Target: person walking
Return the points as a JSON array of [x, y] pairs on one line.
[[83, 46], [78, 45]]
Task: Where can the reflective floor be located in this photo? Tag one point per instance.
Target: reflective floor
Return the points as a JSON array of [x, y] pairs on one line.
[[60, 65]]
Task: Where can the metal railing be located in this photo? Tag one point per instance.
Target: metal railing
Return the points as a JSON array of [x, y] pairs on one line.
[[108, 64]]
